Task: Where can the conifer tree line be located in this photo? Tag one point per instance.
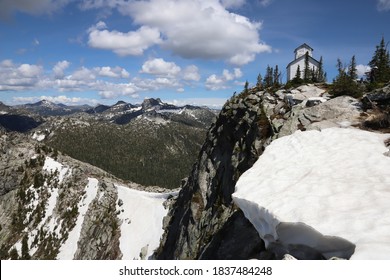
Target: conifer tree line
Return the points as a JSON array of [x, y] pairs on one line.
[[346, 81]]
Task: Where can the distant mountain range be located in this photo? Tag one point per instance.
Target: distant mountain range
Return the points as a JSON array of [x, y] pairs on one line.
[[152, 143]]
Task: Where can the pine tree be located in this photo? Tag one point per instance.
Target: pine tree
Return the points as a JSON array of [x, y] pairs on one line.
[[352, 71], [298, 73], [259, 83], [276, 77], [320, 75], [268, 79], [380, 65], [25, 251], [344, 83], [307, 70], [246, 88]]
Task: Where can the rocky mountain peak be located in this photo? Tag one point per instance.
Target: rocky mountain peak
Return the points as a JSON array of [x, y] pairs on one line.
[[199, 220], [151, 102]]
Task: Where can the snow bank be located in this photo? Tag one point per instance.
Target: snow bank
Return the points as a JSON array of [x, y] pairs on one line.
[[51, 165], [142, 214], [69, 248], [328, 190], [38, 137]]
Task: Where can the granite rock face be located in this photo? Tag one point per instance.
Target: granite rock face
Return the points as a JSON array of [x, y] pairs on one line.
[[203, 222], [204, 209]]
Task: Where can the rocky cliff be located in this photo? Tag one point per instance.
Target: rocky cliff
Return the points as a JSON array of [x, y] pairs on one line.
[[204, 212], [203, 222], [55, 207]]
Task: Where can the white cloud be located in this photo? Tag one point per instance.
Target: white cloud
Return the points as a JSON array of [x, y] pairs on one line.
[[106, 81], [191, 73], [362, 70], [116, 72], [265, 3], [7, 63], [59, 68], [160, 67], [215, 82], [36, 7], [18, 77], [130, 43], [231, 76], [199, 29], [83, 74], [212, 102], [55, 99], [96, 4], [383, 5], [232, 3]]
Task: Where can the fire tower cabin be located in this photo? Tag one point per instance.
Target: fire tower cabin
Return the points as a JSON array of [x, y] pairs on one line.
[[300, 53]]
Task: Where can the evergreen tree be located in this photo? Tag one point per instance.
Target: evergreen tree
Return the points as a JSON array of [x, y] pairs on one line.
[[307, 70], [246, 87], [276, 77], [320, 75], [269, 77], [25, 251], [298, 73], [13, 254], [259, 83], [352, 71], [380, 65], [344, 84]]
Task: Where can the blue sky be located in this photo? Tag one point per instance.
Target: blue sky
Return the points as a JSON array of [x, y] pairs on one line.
[[183, 51]]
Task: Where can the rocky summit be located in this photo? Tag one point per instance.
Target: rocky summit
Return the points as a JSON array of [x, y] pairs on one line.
[[198, 222], [56, 207]]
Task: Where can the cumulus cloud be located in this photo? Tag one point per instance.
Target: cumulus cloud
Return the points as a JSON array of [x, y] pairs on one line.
[[383, 5], [362, 70], [36, 7], [265, 3], [194, 29], [55, 99], [160, 67], [60, 68], [212, 102], [232, 3], [83, 74], [109, 82], [191, 73], [231, 76], [130, 43], [215, 82], [18, 77], [112, 72]]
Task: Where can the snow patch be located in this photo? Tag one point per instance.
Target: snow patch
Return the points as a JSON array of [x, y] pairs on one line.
[[51, 165], [39, 137], [69, 247], [141, 214], [329, 190]]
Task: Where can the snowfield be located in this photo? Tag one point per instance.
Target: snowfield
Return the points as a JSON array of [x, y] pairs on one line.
[[142, 215], [328, 190]]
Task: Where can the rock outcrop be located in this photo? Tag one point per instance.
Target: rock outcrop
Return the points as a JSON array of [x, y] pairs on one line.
[[203, 222], [55, 207], [204, 212]]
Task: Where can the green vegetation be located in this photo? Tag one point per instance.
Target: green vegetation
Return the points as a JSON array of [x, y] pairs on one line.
[[145, 153], [380, 66], [346, 81]]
